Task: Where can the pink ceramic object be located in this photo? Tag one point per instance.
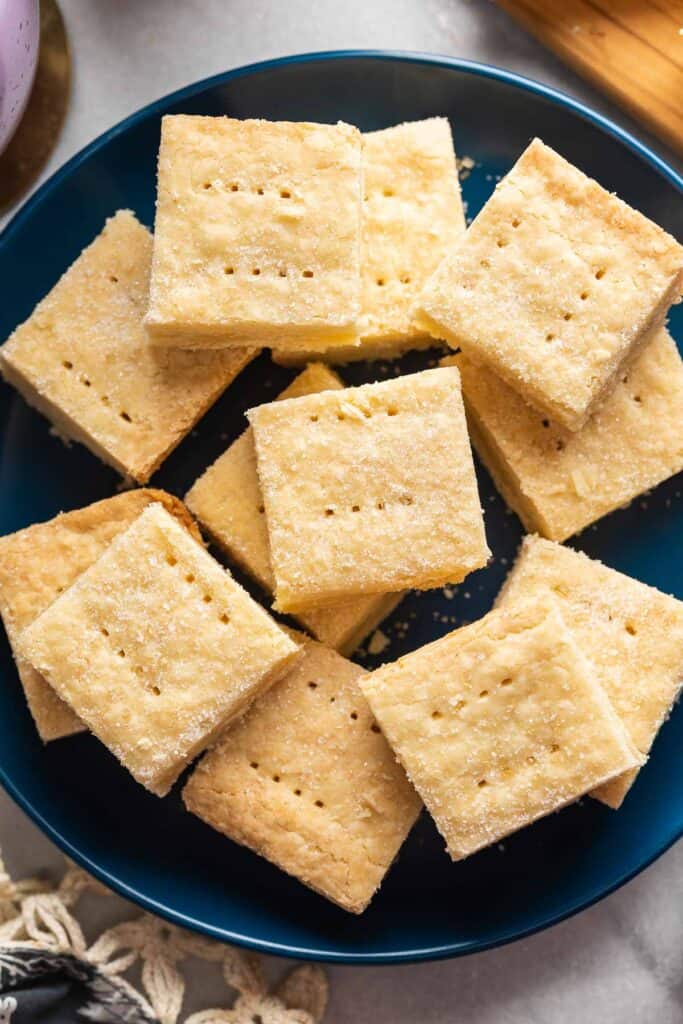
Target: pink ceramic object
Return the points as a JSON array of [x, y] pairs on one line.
[[19, 42]]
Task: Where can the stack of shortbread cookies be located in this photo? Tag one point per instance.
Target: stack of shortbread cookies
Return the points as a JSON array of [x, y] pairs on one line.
[[327, 246]]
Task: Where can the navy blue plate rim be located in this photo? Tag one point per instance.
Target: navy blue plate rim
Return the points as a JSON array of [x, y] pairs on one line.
[[15, 224]]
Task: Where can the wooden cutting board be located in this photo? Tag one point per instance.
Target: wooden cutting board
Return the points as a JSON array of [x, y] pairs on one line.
[[633, 49]]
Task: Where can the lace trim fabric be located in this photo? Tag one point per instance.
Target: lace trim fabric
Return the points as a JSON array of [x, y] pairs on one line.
[[36, 919]]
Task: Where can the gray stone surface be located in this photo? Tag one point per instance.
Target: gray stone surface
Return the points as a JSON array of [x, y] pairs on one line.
[[620, 962]]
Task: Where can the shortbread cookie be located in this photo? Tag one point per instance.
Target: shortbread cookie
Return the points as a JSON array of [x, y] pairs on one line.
[[412, 216], [369, 490], [632, 634], [307, 780], [227, 501], [559, 481], [555, 286], [344, 625], [156, 648], [37, 564], [83, 359], [257, 235], [499, 723]]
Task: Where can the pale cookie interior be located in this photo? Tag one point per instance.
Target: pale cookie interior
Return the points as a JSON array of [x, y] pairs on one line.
[[156, 648], [369, 490], [559, 481], [227, 501], [257, 234], [307, 780], [40, 562], [632, 634], [499, 723], [412, 216], [83, 359], [555, 284]]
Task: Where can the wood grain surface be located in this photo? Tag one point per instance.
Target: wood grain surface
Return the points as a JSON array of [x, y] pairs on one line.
[[632, 49]]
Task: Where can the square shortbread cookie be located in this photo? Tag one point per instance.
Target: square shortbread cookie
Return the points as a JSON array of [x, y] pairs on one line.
[[156, 648], [257, 235], [227, 501], [555, 285], [559, 481], [412, 216], [83, 359], [499, 723], [632, 633], [369, 490], [38, 563], [307, 780]]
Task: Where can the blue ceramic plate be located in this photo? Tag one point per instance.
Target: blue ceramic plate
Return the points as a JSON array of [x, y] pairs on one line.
[[149, 849]]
